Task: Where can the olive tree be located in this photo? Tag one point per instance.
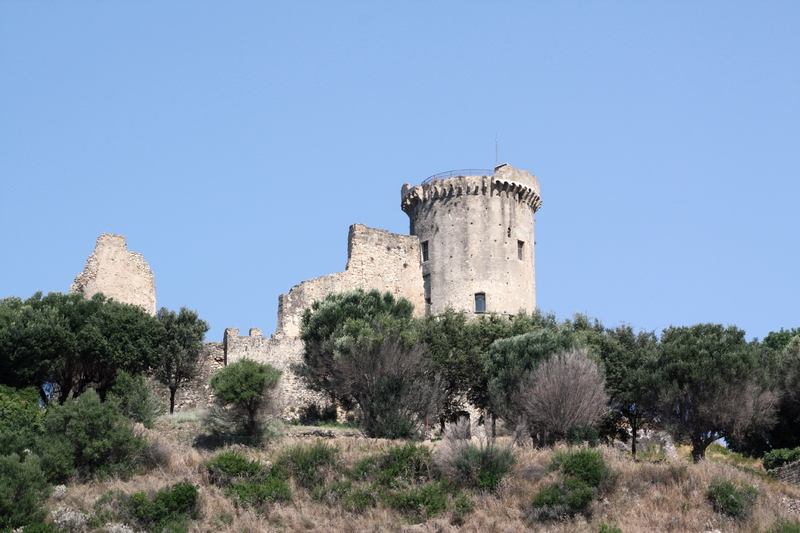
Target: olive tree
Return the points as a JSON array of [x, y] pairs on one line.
[[711, 385], [363, 348]]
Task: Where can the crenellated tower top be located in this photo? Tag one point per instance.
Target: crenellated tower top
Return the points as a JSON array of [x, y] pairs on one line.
[[476, 233]]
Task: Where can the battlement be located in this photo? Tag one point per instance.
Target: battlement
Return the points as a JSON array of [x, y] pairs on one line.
[[506, 181]]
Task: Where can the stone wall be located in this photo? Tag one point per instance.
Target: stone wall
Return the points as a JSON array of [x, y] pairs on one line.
[[789, 473], [118, 273], [280, 352], [196, 394], [376, 259]]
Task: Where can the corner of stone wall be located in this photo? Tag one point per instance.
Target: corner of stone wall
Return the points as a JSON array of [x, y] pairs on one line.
[[788, 473]]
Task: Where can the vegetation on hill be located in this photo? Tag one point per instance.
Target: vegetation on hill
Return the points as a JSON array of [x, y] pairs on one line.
[[75, 409]]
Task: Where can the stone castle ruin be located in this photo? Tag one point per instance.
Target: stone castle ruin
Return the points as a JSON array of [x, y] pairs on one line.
[[118, 273], [470, 247]]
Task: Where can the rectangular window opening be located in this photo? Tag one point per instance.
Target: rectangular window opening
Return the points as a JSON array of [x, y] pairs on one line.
[[424, 251], [520, 250], [480, 302], [426, 284]]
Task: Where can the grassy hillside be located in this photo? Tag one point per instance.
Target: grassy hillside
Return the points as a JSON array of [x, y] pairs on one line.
[[351, 489]]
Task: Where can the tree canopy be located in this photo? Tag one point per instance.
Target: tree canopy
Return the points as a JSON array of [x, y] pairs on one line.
[[179, 348], [72, 342], [710, 386]]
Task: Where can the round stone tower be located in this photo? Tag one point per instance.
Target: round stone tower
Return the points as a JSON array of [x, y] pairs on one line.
[[475, 229]]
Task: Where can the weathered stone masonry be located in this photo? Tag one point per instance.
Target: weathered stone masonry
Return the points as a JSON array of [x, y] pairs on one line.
[[469, 236], [789, 473], [118, 273], [376, 259]]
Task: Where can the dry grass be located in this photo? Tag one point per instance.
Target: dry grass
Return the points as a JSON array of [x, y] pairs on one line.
[[666, 496]]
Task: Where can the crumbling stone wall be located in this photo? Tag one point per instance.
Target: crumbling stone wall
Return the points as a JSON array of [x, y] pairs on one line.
[[196, 394], [118, 273], [376, 259], [788, 473], [280, 352]]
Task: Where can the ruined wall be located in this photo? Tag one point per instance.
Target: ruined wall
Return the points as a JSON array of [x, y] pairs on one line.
[[280, 352], [376, 259], [196, 394], [789, 473], [118, 273]]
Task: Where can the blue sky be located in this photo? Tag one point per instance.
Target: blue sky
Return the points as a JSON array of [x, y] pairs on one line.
[[233, 143]]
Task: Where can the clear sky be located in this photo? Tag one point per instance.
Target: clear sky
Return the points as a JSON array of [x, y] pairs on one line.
[[233, 143]]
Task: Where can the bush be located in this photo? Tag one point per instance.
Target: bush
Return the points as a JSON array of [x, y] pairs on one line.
[[605, 528], [564, 498], [231, 464], [343, 493], [313, 414], [731, 500], [780, 457], [136, 399], [584, 471], [20, 419], [243, 387], [784, 526], [400, 464], [483, 465], [271, 486], [23, 488], [307, 463], [168, 510], [421, 503], [87, 435], [585, 465], [462, 507]]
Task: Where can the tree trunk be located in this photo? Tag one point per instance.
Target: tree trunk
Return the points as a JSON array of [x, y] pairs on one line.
[[172, 391], [634, 431], [698, 450]]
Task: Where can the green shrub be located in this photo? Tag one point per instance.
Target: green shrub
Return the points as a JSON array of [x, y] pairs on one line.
[[23, 488], [586, 465], [344, 494], [780, 457], [605, 528], [168, 510], [462, 506], [271, 486], [244, 385], [731, 500], [477, 465], [408, 463], [231, 464], [782, 526], [307, 463], [20, 419], [419, 502], [561, 499], [89, 436], [136, 399]]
